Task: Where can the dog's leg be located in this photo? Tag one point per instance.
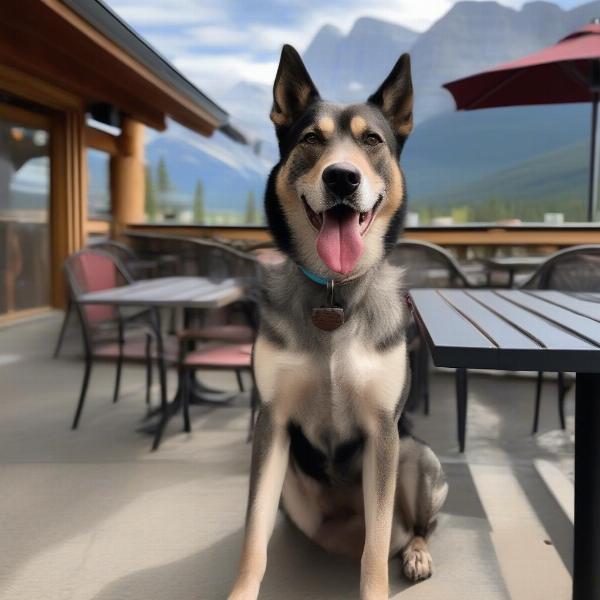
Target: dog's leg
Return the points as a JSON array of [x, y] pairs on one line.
[[421, 492], [416, 560], [270, 452], [379, 486]]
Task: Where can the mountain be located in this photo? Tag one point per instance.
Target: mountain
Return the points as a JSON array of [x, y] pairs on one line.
[[454, 148], [227, 170], [449, 153], [470, 37], [350, 68], [553, 181], [250, 105], [473, 36]]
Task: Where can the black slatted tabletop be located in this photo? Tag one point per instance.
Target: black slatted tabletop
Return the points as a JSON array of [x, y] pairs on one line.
[[526, 330], [511, 329], [184, 292]]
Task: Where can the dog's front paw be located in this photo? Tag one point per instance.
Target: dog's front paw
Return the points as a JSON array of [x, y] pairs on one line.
[[416, 561], [244, 591]]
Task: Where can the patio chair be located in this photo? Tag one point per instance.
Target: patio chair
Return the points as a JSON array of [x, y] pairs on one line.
[[136, 267], [575, 269], [229, 357], [107, 332], [207, 258], [427, 265]]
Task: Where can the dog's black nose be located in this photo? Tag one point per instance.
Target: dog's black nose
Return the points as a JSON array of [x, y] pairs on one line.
[[342, 179]]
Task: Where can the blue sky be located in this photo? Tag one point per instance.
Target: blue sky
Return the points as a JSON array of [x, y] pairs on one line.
[[218, 43]]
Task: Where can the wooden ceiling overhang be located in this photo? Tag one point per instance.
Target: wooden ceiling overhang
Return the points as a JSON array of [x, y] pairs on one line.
[[86, 50]]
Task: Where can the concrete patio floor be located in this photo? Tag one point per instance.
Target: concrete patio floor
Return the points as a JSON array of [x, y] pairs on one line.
[[93, 515]]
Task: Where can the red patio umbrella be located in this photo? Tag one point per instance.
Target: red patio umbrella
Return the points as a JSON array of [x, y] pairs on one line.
[[567, 72]]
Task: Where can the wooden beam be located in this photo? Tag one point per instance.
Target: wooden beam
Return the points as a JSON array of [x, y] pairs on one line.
[[16, 82], [127, 177], [97, 227], [68, 201], [455, 236], [93, 81], [24, 117], [506, 237], [101, 140], [181, 106], [48, 39]]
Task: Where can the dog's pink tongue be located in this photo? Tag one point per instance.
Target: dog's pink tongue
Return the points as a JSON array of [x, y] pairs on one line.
[[339, 243]]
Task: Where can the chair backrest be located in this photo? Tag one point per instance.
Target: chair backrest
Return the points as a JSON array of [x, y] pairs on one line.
[[92, 270], [198, 256], [220, 261], [427, 265], [575, 269], [119, 250]]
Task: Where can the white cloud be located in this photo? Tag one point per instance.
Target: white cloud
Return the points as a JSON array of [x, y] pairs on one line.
[[217, 73], [218, 36], [160, 13], [256, 37], [216, 50]]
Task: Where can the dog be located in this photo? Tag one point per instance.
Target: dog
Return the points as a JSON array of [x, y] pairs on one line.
[[330, 358]]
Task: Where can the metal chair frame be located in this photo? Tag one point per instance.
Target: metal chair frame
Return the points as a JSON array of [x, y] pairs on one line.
[[419, 354], [541, 280], [153, 324]]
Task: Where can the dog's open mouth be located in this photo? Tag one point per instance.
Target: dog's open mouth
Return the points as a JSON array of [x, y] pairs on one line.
[[341, 229]]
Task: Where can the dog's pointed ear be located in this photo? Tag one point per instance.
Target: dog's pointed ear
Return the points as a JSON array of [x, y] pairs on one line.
[[395, 97], [293, 90]]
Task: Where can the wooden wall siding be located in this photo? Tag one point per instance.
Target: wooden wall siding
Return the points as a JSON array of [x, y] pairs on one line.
[[46, 39], [68, 207]]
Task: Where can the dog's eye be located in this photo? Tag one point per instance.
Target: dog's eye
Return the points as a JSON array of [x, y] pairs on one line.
[[372, 139], [311, 138]]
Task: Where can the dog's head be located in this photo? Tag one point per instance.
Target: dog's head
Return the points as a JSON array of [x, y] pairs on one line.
[[335, 201]]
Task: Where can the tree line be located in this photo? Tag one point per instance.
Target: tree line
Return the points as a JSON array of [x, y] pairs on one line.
[[159, 189]]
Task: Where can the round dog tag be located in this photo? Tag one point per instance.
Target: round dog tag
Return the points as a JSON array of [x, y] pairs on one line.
[[328, 318]]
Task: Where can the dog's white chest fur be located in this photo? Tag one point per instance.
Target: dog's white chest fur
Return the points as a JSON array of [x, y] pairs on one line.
[[344, 387]]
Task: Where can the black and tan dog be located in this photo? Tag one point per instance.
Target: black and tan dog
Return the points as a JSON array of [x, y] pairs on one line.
[[330, 359]]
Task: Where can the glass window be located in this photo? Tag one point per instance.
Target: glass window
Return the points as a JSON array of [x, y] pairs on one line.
[[24, 203], [204, 181], [98, 184]]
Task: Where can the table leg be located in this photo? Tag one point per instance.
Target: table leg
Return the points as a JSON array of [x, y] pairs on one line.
[[165, 409], [511, 278], [461, 407], [586, 561]]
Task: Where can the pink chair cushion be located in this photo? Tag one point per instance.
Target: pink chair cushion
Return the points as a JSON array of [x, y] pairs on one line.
[[231, 356], [241, 334], [97, 272], [135, 350]]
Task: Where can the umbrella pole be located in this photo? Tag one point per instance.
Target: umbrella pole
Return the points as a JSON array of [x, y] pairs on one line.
[[593, 186]]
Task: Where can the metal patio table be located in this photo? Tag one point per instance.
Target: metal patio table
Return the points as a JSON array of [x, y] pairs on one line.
[[173, 292], [512, 265], [532, 331]]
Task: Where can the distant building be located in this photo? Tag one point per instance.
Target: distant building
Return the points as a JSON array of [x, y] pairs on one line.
[[76, 84]]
